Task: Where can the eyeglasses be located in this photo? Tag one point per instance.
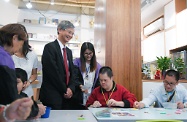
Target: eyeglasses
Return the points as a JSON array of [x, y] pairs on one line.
[[167, 83], [88, 53], [70, 32]]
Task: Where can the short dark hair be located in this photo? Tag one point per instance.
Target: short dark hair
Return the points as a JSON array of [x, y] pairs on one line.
[[8, 31], [172, 72], [21, 74], [107, 70]]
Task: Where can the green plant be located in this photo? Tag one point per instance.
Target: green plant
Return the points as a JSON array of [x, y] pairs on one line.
[[163, 63], [179, 65]]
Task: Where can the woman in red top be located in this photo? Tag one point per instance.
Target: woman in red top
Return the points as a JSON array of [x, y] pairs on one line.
[[109, 93]]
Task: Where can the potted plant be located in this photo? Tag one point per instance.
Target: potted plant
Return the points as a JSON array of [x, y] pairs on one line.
[[163, 63], [178, 64]]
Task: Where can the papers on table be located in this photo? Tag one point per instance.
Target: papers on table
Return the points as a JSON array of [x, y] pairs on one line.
[[113, 112]]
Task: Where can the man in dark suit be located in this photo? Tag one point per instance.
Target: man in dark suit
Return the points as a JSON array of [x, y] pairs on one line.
[[58, 78]]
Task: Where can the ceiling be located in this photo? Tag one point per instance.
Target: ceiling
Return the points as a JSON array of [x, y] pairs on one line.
[[152, 10], [148, 7], [63, 6]]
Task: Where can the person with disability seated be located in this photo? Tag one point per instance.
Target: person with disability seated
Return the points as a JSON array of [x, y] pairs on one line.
[[169, 91], [109, 93]]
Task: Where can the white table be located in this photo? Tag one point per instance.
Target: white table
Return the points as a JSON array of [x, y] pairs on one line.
[[143, 114], [67, 116]]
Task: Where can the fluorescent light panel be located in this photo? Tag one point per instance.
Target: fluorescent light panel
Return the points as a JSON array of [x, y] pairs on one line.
[[29, 5]]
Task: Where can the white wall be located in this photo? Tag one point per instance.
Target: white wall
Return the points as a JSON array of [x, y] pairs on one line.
[[35, 15], [43, 32], [8, 11]]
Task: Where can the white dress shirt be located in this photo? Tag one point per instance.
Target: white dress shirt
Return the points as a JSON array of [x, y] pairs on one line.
[[159, 96]]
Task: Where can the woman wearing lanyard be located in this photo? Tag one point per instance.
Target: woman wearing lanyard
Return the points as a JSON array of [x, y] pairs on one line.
[[89, 68]]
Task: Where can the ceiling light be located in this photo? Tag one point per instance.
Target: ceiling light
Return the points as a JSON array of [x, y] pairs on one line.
[[52, 2], [150, 1], [76, 23], [29, 5], [6, 0]]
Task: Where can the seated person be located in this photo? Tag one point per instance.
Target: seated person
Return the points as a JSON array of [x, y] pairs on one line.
[[169, 91], [37, 109], [109, 93]]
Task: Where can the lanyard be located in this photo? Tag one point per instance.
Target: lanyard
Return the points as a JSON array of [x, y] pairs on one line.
[[109, 96], [170, 98], [87, 71]]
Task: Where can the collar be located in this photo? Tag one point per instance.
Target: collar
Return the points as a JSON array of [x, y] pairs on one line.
[[61, 45], [164, 92], [114, 85]]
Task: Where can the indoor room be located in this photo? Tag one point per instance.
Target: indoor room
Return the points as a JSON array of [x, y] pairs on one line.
[[94, 60]]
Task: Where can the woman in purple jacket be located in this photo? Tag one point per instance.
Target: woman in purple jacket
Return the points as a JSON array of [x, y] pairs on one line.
[[12, 37], [89, 68]]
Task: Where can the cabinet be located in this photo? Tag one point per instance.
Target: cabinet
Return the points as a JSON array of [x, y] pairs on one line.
[[153, 46], [171, 10], [181, 28], [170, 40], [169, 14]]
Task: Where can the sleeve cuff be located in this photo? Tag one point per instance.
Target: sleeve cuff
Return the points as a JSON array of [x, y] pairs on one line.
[[126, 104]]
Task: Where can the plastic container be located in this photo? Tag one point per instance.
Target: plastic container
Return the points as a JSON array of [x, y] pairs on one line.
[[47, 113]]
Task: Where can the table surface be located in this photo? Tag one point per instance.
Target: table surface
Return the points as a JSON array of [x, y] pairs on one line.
[[135, 114], [67, 116], [142, 114]]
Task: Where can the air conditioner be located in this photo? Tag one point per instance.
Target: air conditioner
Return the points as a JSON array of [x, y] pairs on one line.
[[154, 27]]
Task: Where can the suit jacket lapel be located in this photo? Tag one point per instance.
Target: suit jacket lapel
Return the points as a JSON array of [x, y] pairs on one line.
[[59, 53]]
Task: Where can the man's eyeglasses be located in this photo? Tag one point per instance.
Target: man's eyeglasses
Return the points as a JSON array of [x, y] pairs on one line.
[[167, 83], [70, 32], [88, 53]]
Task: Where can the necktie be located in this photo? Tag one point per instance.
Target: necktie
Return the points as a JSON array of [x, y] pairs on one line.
[[66, 65]]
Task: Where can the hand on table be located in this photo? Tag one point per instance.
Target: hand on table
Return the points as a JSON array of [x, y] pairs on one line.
[[96, 104], [138, 105], [41, 111], [180, 105], [112, 102], [19, 109]]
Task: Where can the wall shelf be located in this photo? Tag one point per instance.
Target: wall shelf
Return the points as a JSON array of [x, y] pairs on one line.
[[50, 40], [38, 25]]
